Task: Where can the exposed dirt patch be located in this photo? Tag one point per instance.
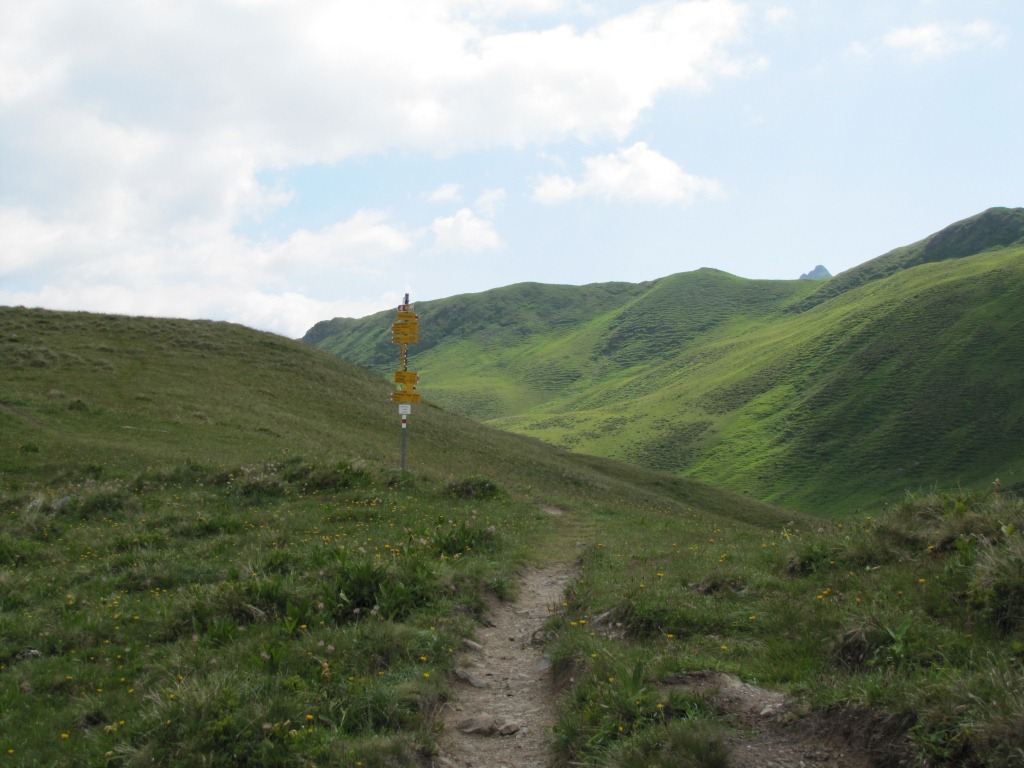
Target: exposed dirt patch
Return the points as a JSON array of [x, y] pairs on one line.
[[18, 414], [503, 709], [767, 731], [553, 510]]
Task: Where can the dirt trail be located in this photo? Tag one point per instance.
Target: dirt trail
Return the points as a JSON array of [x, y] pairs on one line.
[[503, 709], [502, 713]]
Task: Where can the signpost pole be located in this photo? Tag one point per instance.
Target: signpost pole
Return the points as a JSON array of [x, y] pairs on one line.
[[405, 331], [404, 417]]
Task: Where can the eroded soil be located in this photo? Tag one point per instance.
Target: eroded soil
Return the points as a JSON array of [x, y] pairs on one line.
[[767, 729], [503, 709]]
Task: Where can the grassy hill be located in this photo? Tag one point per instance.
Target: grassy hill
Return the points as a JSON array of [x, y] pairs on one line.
[[825, 396], [994, 228], [208, 557]]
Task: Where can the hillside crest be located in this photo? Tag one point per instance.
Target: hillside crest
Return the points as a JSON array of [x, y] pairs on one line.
[[816, 394], [993, 228]]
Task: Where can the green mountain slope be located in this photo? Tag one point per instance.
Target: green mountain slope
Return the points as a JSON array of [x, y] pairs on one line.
[[208, 556], [100, 394], [906, 375]]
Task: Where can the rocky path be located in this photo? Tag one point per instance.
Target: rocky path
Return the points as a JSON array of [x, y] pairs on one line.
[[503, 708]]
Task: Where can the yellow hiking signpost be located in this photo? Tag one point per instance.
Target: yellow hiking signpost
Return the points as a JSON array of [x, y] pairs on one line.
[[404, 331], [406, 328], [406, 378]]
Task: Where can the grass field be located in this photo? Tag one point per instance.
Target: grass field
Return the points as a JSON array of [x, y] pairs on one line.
[[209, 557]]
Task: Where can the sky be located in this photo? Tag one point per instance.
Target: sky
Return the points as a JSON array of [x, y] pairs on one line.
[[280, 162]]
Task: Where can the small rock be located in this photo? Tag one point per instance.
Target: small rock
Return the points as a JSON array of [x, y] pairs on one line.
[[472, 646], [508, 727], [468, 677], [482, 725]]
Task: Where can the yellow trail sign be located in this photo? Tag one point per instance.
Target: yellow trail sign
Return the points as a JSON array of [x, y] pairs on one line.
[[406, 397], [407, 378], [405, 331]]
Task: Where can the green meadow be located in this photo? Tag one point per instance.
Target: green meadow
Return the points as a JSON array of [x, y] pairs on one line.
[[902, 374], [208, 556]]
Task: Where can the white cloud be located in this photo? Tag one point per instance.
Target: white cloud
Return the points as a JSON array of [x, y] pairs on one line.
[[275, 285], [320, 81], [297, 312], [933, 40], [446, 193], [465, 232], [490, 202], [289, 313], [360, 243], [134, 133], [25, 241], [858, 50], [637, 173], [778, 14]]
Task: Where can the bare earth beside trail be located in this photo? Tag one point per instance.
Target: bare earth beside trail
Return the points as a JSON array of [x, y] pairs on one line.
[[503, 709], [767, 729]]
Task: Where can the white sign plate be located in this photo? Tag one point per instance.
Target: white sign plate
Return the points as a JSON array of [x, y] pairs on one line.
[[404, 409]]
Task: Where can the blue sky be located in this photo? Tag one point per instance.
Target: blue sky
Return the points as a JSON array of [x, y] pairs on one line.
[[280, 162]]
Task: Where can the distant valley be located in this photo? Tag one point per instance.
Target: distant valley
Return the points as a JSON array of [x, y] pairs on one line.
[[822, 395]]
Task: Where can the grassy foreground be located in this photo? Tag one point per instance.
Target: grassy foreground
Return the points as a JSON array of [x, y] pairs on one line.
[[273, 615], [908, 623], [207, 557]]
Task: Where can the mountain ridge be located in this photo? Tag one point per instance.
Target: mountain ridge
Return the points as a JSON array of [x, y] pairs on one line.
[[993, 228], [818, 273], [793, 391]]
